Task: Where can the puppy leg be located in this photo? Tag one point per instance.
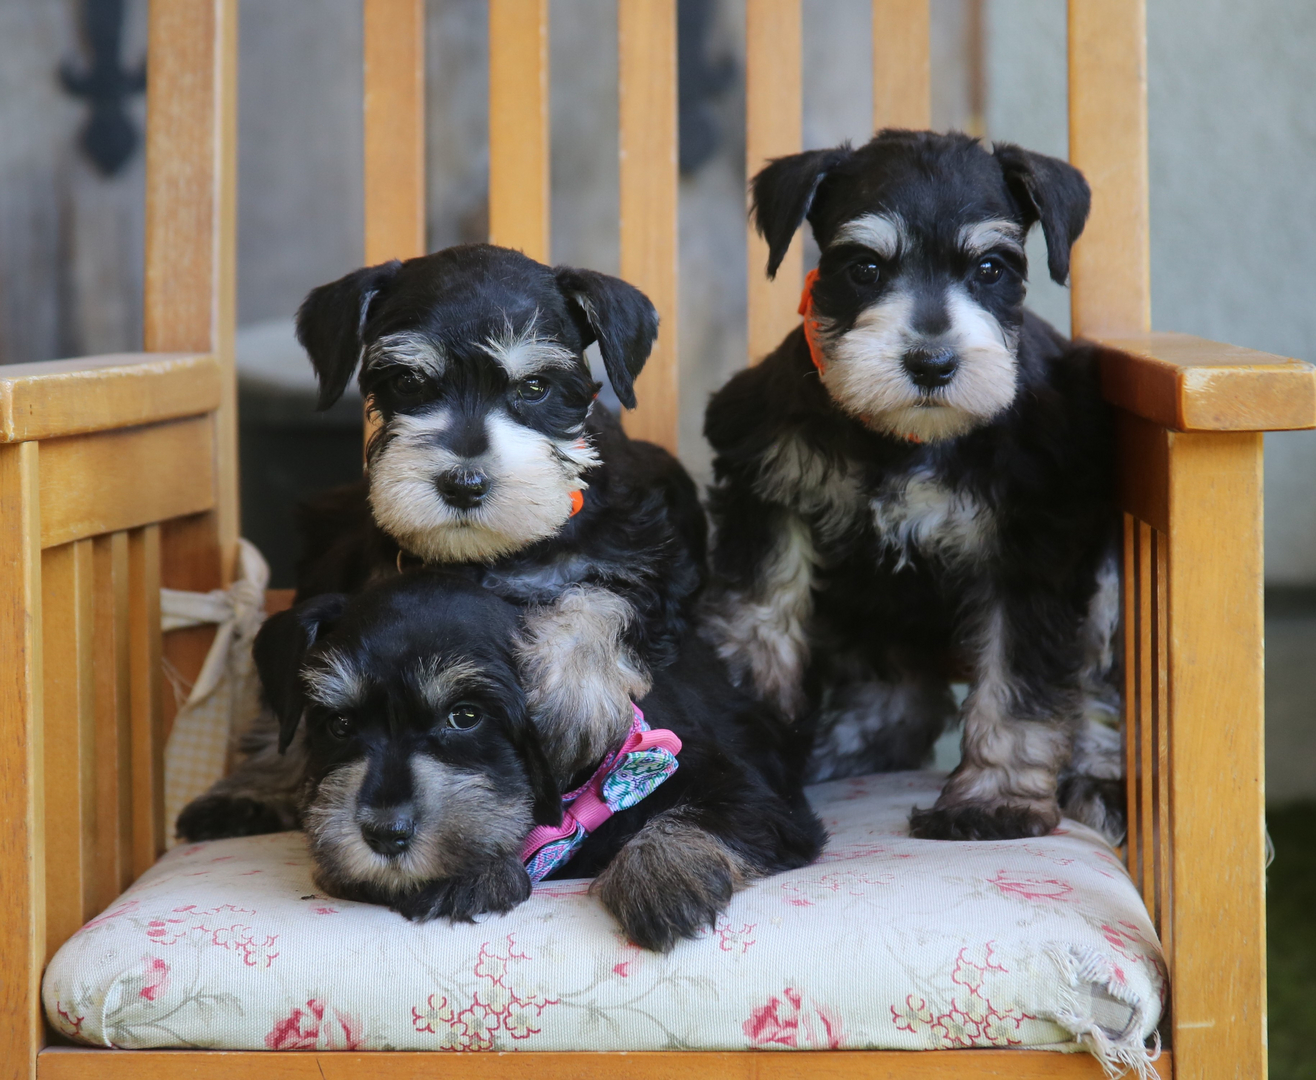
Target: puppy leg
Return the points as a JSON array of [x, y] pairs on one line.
[[1018, 733], [261, 795], [672, 879], [867, 725], [581, 675], [759, 623], [1092, 786]]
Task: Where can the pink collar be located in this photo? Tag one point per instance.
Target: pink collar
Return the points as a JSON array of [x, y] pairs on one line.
[[643, 761]]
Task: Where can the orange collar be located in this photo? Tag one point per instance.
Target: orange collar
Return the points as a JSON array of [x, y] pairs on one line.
[[577, 503], [812, 335], [811, 321]]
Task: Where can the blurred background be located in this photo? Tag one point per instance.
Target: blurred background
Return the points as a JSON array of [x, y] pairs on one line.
[[1232, 150]]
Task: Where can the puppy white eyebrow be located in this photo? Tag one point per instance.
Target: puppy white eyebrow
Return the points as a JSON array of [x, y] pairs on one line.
[[441, 684], [524, 352], [408, 349], [883, 233], [980, 237], [333, 682]]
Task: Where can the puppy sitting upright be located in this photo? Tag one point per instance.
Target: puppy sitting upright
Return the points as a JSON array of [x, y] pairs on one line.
[[425, 774], [492, 456], [918, 480]]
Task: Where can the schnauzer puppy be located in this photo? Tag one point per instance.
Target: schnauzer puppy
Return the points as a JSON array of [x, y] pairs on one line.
[[426, 777], [492, 455], [917, 482]]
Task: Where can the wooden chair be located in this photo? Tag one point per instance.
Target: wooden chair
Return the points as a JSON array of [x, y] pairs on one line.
[[118, 474]]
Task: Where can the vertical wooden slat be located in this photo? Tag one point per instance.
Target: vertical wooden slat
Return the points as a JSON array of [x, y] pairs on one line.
[[773, 128], [22, 799], [1146, 695], [191, 140], [144, 683], [1216, 765], [1111, 263], [1164, 810], [1130, 733], [394, 84], [519, 126], [113, 734], [902, 65], [70, 735], [646, 32]]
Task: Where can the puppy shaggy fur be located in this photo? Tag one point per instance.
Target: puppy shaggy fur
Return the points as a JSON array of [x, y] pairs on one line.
[[492, 456], [931, 497], [425, 772]]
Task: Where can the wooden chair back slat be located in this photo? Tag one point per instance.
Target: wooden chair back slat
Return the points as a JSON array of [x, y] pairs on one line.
[[773, 128], [393, 44], [1111, 263], [519, 127], [68, 628], [647, 137], [902, 64], [191, 189]]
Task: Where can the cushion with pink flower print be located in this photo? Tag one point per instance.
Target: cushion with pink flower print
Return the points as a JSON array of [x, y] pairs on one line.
[[886, 942]]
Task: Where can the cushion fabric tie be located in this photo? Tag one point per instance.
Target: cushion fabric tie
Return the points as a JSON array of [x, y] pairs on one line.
[[643, 761]]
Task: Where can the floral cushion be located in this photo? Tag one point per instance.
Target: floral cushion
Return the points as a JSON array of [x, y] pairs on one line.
[[886, 942]]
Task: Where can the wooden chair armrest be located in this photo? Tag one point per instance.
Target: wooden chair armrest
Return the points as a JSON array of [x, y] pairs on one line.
[[97, 393], [1189, 384]]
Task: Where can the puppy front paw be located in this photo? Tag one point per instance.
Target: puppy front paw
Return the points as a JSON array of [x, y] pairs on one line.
[[670, 881], [975, 821], [218, 817], [495, 888]]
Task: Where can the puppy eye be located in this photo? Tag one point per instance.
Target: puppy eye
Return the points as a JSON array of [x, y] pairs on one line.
[[989, 271], [531, 390], [464, 716], [408, 383], [340, 727], [863, 273]]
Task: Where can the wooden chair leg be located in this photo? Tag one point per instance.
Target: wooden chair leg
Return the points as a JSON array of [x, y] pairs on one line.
[[1217, 754]]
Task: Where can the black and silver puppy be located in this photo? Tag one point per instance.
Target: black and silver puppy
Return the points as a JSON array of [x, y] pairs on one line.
[[426, 773], [916, 484], [492, 455]]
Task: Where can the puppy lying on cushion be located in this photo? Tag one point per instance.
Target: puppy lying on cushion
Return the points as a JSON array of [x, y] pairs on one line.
[[427, 787]]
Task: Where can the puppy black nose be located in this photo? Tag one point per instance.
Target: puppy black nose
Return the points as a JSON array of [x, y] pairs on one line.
[[389, 837], [463, 488], [930, 369]]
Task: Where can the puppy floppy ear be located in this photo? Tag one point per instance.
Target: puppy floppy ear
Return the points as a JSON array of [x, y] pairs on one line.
[[783, 196], [331, 322], [616, 315], [280, 650], [1050, 191], [546, 804]]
